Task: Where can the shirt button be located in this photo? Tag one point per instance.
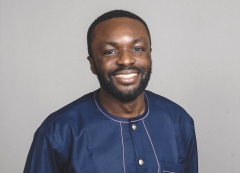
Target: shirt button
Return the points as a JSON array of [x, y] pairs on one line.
[[140, 162], [134, 127]]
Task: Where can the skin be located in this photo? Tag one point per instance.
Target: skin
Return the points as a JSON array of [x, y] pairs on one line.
[[121, 42]]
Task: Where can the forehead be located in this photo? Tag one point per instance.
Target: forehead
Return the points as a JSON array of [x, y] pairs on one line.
[[116, 27]]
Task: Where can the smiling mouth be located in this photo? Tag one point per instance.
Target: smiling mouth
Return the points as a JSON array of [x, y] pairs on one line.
[[125, 76]]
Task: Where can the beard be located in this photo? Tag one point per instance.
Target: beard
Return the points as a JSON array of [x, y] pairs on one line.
[[124, 95]]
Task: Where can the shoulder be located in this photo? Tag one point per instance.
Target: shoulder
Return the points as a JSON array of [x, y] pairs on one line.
[[67, 114], [169, 109]]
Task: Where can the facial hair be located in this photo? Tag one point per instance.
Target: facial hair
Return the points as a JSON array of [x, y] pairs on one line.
[[126, 95]]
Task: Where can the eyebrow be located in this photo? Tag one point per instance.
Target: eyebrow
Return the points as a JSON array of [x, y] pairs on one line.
[[139, 40], [113, 43]]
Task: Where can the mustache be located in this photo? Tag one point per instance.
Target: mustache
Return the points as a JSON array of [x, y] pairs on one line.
[[113, 72]]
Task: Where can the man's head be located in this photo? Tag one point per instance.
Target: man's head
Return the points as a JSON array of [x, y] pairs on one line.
[[119, 54], [107, 16]]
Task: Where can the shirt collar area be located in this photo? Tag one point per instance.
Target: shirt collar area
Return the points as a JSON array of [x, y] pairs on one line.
[[118, 119]]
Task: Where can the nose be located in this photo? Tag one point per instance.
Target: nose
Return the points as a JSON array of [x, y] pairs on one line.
[[126, 58]]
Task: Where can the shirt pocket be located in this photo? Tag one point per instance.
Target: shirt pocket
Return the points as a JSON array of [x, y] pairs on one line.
[[170, 167]]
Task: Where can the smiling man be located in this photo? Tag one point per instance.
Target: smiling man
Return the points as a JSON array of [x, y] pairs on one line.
[[121, 127]]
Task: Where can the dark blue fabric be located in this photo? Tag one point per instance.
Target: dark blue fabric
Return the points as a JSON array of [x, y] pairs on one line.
[[83, 137]]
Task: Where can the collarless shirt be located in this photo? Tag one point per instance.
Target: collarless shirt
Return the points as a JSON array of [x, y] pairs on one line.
[[83, 137]]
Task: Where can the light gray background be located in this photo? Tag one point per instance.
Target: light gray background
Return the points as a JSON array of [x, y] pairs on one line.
[[196, 61]]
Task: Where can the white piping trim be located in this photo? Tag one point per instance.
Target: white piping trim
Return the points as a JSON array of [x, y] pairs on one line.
[[118, 120], [124, 168], [152, 147]]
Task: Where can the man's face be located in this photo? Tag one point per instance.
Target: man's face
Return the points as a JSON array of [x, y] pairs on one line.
[[122, 59]]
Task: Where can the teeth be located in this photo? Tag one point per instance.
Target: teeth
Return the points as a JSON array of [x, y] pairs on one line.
[[126, 75]]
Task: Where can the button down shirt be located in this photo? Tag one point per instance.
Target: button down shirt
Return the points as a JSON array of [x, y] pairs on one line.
[[83, 137]]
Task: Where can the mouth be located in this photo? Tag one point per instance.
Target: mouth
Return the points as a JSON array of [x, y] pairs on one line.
[[126, 76]]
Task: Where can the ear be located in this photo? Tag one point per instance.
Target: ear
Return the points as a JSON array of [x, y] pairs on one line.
[[92, 64]]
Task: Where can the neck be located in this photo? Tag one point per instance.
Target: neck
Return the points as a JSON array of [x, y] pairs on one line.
[[122, 109]]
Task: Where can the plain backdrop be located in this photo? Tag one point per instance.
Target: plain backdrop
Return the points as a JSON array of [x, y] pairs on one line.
[[196, 63]]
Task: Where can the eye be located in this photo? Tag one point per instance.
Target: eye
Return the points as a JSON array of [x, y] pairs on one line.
[[137, 49], [109, 52]]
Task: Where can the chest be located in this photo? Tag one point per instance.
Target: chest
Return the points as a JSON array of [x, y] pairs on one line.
[[133, 147]]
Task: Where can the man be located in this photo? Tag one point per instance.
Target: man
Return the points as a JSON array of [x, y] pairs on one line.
[[119, 128]]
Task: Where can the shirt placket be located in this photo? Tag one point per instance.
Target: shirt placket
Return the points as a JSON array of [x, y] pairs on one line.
[[136, 130]]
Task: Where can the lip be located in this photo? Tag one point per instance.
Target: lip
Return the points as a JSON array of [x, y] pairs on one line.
[[125, 72], [126, 76]]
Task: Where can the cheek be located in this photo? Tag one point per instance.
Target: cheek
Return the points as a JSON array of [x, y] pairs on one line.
[[104, 66], [149, 60], [145, 62]]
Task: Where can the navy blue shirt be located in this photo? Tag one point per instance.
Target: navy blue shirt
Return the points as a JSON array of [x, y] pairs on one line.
[[83, 137]]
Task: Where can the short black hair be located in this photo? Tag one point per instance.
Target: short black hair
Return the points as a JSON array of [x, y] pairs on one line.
[[107, 16]]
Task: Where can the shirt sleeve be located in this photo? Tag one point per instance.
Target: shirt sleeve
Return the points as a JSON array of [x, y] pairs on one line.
[[192, 156], [42, 157]]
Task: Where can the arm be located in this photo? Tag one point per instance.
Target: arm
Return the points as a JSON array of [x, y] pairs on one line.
[[192, 156], [42, 157]]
